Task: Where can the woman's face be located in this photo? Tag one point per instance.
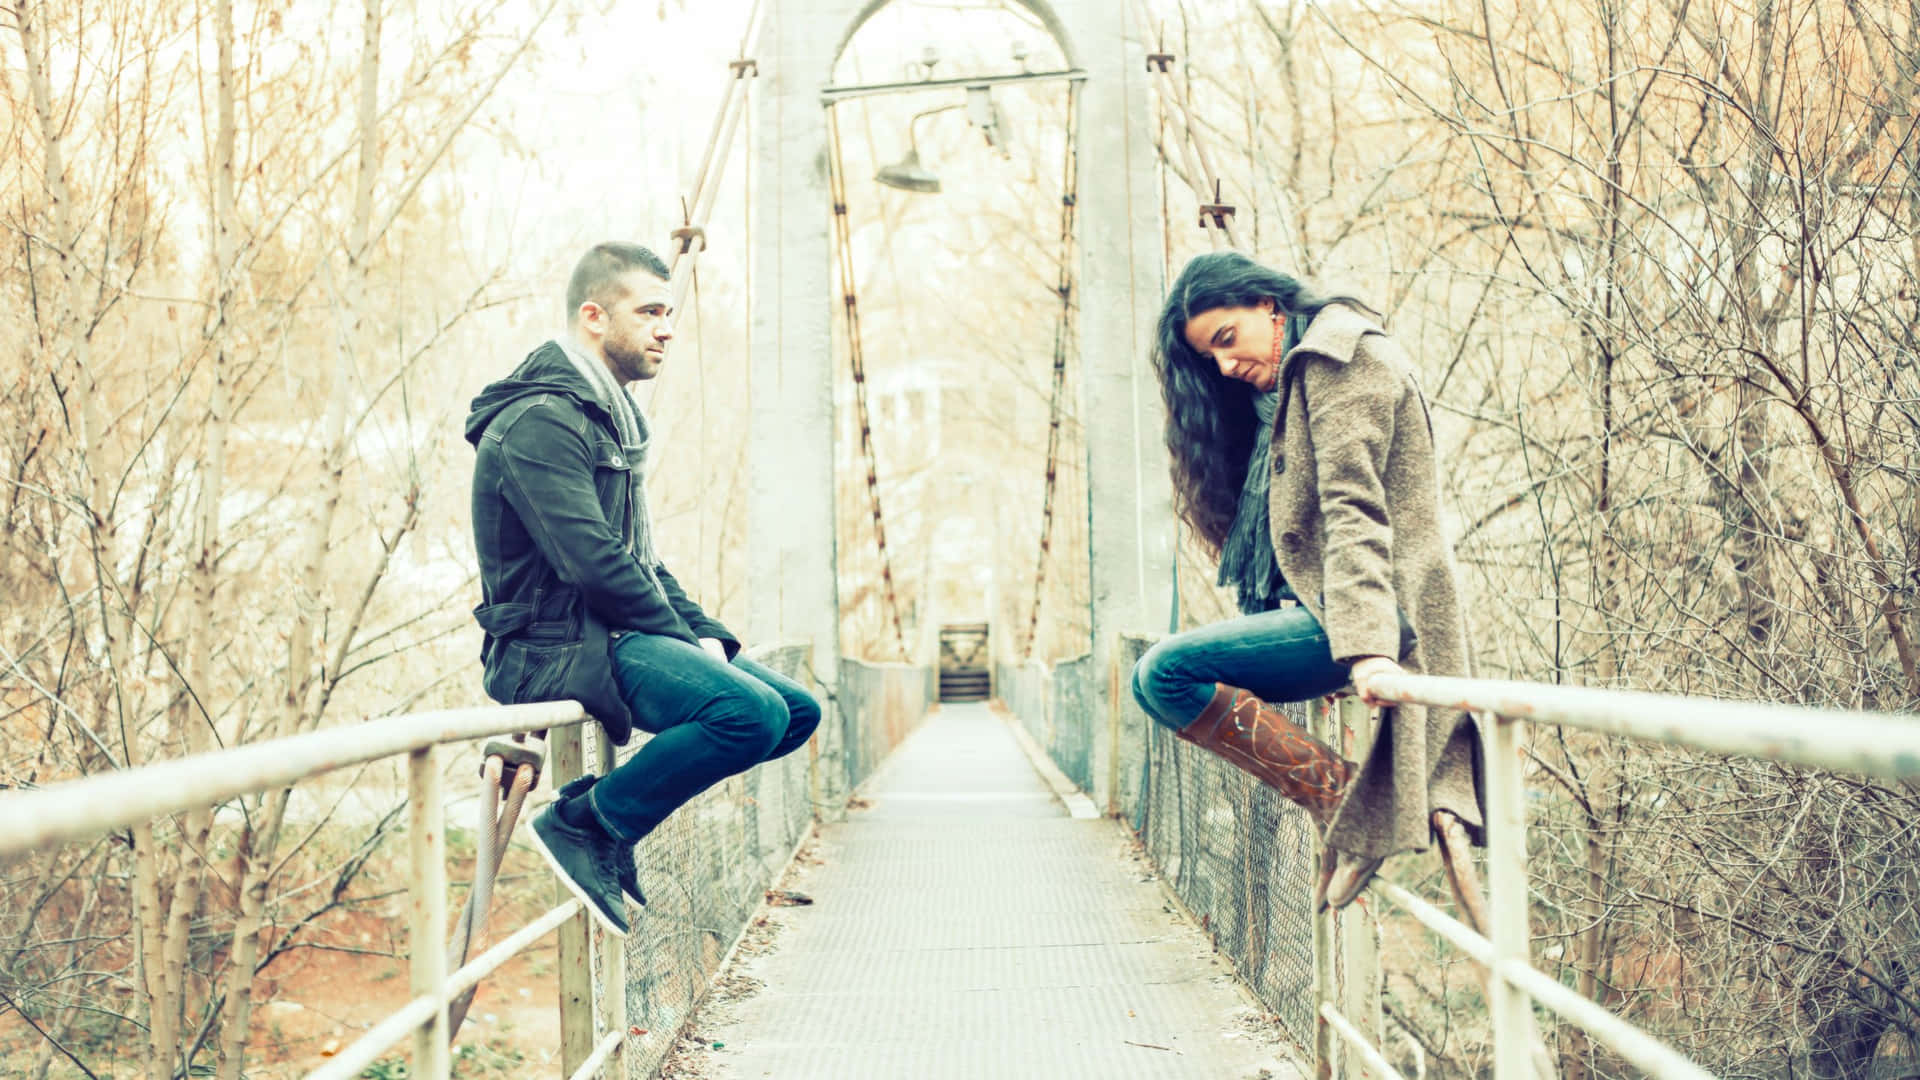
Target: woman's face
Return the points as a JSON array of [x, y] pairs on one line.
[[1243, 341]]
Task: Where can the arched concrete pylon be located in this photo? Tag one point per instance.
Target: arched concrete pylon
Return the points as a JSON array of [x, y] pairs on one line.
[[794, 594], [1043, 10]]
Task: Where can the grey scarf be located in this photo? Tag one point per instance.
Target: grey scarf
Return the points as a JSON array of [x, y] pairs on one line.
[[635, 437], [1247, 560]]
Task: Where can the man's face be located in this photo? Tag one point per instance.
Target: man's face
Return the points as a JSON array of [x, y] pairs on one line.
[[633, 329]]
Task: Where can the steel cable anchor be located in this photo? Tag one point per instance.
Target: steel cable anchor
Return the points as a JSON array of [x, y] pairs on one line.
[[508, 771]]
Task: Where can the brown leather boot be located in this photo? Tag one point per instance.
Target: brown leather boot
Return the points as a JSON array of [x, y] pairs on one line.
[[1240, 727]]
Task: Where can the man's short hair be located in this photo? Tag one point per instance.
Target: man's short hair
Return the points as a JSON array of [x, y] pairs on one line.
[[596, 276]]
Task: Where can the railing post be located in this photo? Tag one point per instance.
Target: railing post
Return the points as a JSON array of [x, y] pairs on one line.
[[1359, 952], [1324, 723], [837, 734], [613, 968], [566, 759], [1510, 1009], [427, 906]]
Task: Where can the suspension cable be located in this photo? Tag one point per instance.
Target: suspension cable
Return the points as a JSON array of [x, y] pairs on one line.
[[1216, 217], [843, 238], [1063, 338], [691, 237], [502, 794], [1166, 274]]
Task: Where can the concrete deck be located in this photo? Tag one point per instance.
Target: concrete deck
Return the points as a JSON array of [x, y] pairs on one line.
[[965, 925]]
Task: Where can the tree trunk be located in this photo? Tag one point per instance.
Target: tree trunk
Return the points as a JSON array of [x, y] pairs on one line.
[[149, 949], [301, 678]]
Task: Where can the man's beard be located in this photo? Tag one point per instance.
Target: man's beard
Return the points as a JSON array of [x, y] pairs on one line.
[[631, 361]]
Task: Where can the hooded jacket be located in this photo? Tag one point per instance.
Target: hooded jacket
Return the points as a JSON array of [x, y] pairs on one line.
[[552, 525]]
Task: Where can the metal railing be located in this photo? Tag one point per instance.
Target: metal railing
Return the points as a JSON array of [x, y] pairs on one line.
[[86, 808], [1875, 744]]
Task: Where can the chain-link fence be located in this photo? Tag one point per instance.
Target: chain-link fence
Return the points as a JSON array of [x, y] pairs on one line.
[[880, 705], [703, 872], [1056, 704], [1239, 856], [707, 867]]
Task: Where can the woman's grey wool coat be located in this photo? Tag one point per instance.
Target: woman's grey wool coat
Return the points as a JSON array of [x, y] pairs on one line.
[[1355, 511]]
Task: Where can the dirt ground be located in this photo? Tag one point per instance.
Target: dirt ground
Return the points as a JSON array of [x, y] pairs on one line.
[[323, 1000]]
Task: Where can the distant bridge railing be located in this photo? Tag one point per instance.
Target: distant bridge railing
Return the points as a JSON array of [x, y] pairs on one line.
[[1874, 744]]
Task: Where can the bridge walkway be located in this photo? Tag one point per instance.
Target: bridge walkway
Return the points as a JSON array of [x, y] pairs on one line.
[[964, 924]]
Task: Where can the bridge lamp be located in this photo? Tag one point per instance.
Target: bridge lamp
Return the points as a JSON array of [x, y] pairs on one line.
[[908, 174]]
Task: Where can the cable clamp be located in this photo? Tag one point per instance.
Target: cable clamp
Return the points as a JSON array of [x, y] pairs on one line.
[[1219, 210], [687, 234], [512, 755], [1215, 214]]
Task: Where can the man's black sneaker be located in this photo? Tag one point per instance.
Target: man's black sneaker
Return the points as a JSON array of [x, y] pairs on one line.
[[619, 850], [584, 862]]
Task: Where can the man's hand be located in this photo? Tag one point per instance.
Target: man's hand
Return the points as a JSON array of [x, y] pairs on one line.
[[1365, 669], [714, 648]]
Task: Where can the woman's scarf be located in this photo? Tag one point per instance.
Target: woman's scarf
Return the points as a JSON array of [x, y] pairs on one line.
[[1247, 561]]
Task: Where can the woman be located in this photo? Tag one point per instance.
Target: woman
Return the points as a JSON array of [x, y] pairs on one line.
[[1303, 455]]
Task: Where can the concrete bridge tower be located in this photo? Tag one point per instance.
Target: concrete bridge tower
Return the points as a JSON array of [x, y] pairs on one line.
[[794, 594]]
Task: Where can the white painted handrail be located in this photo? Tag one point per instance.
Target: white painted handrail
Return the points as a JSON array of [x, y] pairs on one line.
[[108, 801], [1873, 744], [1885, 745], [85, 808]]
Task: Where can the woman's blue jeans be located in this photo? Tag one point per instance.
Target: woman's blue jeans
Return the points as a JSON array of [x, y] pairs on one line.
[[1279, 655], [710, 720]]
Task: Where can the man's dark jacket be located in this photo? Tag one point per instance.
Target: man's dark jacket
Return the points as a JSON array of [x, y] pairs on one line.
[[552, 522]]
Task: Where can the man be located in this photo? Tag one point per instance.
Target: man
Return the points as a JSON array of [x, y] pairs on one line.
[[577, 602]]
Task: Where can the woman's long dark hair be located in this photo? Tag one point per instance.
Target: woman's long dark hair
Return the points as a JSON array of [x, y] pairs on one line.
[[1210, 418]]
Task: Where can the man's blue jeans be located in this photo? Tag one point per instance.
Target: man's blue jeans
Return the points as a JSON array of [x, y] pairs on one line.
[[1280, 655], [710, 720]]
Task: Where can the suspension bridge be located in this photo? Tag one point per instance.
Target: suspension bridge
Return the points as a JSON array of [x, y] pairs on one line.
[[1046, 886]]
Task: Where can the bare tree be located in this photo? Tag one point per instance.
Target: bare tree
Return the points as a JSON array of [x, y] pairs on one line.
[[155, 442]]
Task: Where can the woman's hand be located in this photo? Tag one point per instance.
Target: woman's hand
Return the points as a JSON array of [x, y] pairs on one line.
[[1364, 670]]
